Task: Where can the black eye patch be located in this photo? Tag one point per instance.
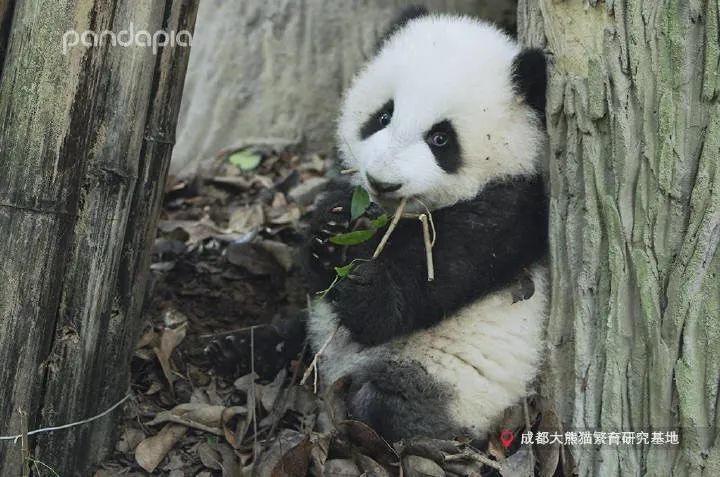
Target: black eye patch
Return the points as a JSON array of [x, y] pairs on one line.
[[379, 120], [443, 141]]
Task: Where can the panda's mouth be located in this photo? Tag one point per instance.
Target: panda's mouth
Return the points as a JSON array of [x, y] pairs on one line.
[[414, 204], [389, 201]]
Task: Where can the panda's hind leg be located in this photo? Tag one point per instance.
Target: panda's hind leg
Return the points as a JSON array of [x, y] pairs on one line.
[[266, 348], [400, 400]]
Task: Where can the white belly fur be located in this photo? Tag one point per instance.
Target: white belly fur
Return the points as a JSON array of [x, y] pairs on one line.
[[487, 353]]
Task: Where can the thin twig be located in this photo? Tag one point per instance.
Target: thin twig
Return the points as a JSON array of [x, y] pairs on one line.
[[231, 332], [37, 463], [314, 363], [67, 426], [391, 227], [352, 170], [193, 424], [430, 218], [428, 247], [24, 446], [468, 455], [280, 402], [252, 390]]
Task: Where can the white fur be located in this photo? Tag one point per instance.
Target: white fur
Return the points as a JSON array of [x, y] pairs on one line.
[[436, 68], [487, 353]]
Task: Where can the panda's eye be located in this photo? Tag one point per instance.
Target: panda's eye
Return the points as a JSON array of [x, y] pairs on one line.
[[377, 121], [438, 139]]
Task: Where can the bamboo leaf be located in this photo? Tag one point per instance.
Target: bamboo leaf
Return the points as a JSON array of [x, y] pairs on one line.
[[245, 160], [344, 271], [380, 222], [360, 203], [353, 238]]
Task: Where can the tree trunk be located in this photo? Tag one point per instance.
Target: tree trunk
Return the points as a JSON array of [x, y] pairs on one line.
[[634, 126], [276, 69], [85, 144]]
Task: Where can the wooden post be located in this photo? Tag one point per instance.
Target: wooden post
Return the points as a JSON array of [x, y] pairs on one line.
[[85, 141]]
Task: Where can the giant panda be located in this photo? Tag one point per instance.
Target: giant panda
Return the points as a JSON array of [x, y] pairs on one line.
[[450, 115]]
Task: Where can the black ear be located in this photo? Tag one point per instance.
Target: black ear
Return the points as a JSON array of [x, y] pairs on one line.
[[409, 13], [529, 75]]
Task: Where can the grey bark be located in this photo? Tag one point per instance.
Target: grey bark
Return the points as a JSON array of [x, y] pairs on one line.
[[85, 145], [634, 126], [276, 69]]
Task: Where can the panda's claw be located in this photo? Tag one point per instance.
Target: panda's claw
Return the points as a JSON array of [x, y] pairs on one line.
[[237, 354], [225, 354]]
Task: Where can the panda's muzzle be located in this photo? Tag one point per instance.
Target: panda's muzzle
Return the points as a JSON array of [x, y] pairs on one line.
[[383, 187]]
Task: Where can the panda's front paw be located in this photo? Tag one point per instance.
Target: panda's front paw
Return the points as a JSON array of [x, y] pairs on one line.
[[368, 305], [260, 349], [229, 355], [334, 219]]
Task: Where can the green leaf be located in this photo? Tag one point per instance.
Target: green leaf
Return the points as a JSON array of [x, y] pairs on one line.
[[380, 222], [245, 160], [360, 203], [344, 271], [353, 238]]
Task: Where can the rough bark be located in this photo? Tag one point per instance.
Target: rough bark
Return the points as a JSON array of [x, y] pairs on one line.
[[634, 126], [276, 69], [84, 149]]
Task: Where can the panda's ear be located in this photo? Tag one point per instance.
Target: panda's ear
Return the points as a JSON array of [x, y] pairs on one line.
[[409, 13], [529, 76]]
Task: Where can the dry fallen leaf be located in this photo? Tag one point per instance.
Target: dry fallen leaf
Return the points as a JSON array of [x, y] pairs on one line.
[[196, 415], [198, 230], [170, 338], [370, 467], [519, 464], [209, 457], [416, 466], [150, 452], [236, 421], [295, 462], [148, 338], [288, 456], [246, 219], [129, 440], [270, 392], [368, 442]]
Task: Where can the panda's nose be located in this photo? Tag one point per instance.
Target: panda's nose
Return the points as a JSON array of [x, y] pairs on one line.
[[382, 187]]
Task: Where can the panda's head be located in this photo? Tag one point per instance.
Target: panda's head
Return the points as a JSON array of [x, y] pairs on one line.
[[447, 105]]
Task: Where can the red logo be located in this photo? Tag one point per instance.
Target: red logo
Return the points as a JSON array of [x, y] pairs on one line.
[[506, 437]]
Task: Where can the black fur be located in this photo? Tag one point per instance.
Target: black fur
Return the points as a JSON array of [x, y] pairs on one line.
[[482, 245], [401, 400], [273, 346], [373, 125], [529, 75], [402, 19], [449, 156]]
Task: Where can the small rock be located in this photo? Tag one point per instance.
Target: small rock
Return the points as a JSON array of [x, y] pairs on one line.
[[336, 467]]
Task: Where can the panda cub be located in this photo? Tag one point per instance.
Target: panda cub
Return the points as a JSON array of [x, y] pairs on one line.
[[449, 115]]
